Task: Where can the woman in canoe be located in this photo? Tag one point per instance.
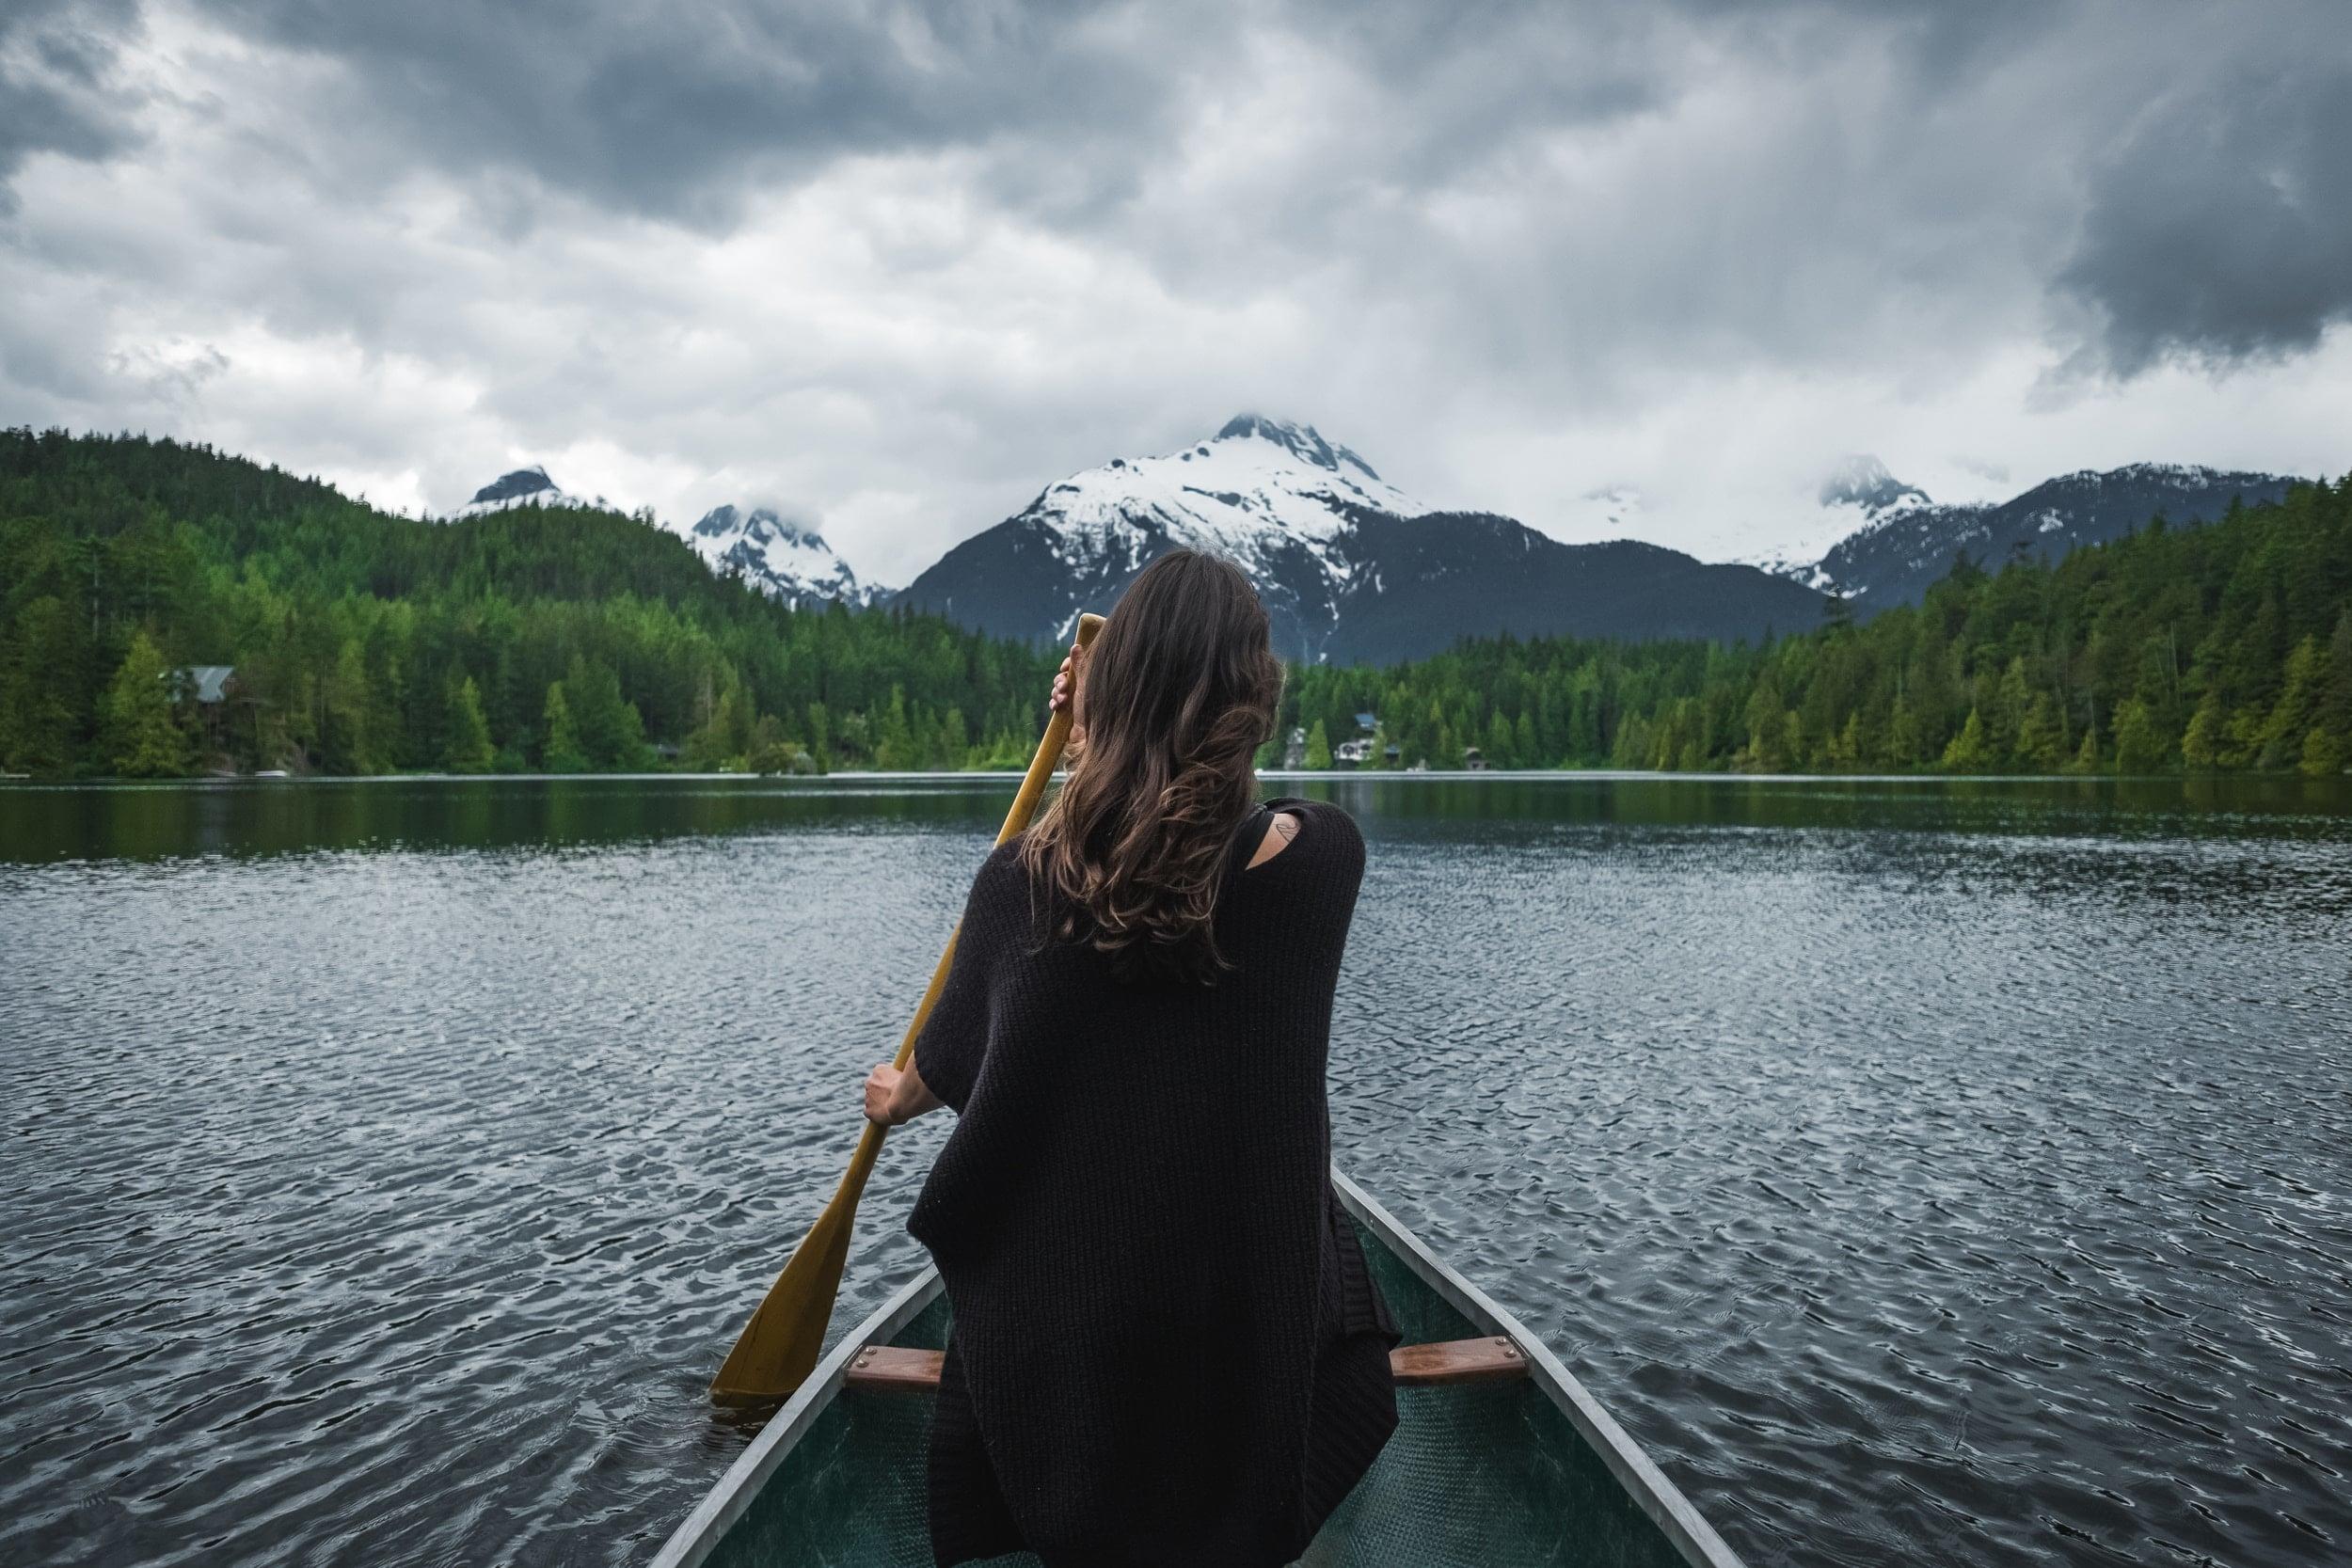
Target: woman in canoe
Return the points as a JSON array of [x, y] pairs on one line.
[[1166, 1349]]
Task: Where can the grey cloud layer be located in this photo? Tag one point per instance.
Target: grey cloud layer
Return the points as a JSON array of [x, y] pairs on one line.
[[53, 56], [2221, 225], [2213, 177], [674, 110], [1035, 234]]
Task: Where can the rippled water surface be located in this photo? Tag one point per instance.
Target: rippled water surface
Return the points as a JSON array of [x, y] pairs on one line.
[[1922, 1172]]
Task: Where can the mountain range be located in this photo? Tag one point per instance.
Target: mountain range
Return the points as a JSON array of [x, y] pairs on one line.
[[1903, 542], [783, 559], [1352, 570]]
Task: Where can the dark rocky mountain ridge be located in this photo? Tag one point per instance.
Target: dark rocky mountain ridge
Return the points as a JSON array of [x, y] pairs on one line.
[[1910, 542], [1350, 569]]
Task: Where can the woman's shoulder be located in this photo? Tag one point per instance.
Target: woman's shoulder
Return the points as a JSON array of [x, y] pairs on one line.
[[1324, 833], [1003, 879]]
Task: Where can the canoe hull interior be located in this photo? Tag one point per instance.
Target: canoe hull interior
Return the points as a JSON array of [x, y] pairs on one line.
[[1495, 1475]]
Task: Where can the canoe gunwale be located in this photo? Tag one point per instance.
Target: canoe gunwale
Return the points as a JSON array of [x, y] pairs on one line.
[[1634, 1471], [725, 1502], [1659, 1498]]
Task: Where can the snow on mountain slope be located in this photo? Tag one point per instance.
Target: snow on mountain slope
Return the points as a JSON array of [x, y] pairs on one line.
[[1347, 567], [526, 487], [1249, 493], [1906, 543], [784, 559], [1596, 516], [1857, 496], [1274, 498]]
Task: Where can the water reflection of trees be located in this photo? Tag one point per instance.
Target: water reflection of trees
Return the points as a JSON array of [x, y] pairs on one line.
[[279, 818], [246, 818]]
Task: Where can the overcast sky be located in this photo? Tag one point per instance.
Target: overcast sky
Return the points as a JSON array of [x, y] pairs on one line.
[[894, 268]]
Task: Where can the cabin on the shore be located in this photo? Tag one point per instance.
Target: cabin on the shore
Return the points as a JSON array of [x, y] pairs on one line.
[[1473, 760], [1358, 751], [205, 685], [1294, 748], [209, 689]]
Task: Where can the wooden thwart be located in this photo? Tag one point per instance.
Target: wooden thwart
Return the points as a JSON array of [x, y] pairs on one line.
[[895, 1369], [1490, 1360]]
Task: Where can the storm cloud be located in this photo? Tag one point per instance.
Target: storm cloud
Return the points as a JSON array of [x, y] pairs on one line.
[[53, 55], [895, 266], [2220, 227]]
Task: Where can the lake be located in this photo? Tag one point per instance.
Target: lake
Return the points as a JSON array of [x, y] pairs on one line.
[[1953, 1171]]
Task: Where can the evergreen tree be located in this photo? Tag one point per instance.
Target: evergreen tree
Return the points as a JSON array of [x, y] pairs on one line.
[[2205, 746], [561, 751], [724, 738], [2141, 744], [469, 749], [2292, 717], [1318, 747], [2325, 754], [39, 673], [893, 739], [143, 738], [2042, 738], [1969, 751], [1500, 749], [344, 738], [820, 737], [612, 733], [2335, 697]]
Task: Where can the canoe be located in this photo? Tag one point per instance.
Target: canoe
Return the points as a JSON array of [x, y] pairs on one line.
[[1501, 1459]]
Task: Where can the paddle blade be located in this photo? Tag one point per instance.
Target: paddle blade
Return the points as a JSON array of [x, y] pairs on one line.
[[783, 1339]]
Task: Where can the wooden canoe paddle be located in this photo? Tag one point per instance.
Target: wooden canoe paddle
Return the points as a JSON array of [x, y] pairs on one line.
[[781, 1342]]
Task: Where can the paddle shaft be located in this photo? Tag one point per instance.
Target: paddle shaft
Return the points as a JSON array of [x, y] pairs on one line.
[[1049, 750], [779, 1346]]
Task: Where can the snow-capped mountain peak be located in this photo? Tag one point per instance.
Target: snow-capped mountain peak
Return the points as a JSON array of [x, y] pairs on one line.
[[1856, 496], [1274, 498], [783, 559], [525, 487], [1346, 565], [1302, 442], [1255, 483], [1862, 481]]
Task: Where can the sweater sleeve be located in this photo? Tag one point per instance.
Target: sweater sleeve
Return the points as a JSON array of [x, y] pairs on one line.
[[954, 1040]]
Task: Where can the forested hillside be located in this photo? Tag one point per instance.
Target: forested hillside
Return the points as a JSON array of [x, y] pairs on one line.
[[2227, 646], [571, 639], [364, 642]]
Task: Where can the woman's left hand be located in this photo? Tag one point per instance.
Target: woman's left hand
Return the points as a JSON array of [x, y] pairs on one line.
[[881, 1088], [1065, 693]]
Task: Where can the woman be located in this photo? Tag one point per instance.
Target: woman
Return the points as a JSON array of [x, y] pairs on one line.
[[1166, 1349]]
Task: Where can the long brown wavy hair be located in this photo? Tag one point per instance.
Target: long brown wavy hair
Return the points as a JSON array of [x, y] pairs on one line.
[[1174, 698]]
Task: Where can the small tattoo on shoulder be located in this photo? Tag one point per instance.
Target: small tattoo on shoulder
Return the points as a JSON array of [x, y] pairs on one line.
[[1287, 826]]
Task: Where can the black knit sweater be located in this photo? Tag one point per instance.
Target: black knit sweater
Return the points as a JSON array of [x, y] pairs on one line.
[[1165, 1349]]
